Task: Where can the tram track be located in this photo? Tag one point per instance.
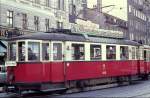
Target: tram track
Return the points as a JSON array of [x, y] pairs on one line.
[[142, 95], [48, 94]]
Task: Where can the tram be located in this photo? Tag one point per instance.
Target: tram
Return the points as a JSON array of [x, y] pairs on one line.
[[63, 60]]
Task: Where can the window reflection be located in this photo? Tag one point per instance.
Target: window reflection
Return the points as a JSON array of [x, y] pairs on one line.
[[12, 52], [78, 52], [57, 51], [34, 51], [111, 52], [45, 51], [95, 52], [124, 53], [21, 51]]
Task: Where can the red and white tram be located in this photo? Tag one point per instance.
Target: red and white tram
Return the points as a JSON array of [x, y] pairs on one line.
[[53, 60]]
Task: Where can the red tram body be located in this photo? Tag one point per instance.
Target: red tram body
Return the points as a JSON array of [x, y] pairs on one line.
[[64, 66]]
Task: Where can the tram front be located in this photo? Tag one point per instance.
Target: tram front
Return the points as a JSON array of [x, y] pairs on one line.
[[24, 56]]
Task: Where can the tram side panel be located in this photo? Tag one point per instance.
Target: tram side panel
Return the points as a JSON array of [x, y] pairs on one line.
[[29, 72], [100, 69], [37, 72]]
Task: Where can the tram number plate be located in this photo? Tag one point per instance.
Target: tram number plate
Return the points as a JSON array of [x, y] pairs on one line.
[[10, 63]]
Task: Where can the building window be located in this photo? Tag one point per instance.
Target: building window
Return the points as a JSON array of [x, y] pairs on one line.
[[111, 52], [130, 8], [61, 4], [59, 25], [36, 22], [95, 51], [47, 3], [57, 51], [78, 52], [124, 53], [37, 1], [47, 25], [24, 21], [10, 18]]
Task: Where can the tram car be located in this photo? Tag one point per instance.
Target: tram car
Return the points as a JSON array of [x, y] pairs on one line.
[[64, 60], [146, 56]]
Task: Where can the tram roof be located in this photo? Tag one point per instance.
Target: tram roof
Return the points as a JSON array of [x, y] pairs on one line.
[[51, 36], [74, 37], [113, 41]]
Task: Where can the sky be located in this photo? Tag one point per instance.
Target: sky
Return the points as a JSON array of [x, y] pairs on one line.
[[119, 9]]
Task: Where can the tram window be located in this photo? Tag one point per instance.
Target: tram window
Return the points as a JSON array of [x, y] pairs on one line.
[[145, 53], [57, 51], [137, 53], [124, 53], [133, 53], [111, 52], [45, 51], [95, 51], [33, 51], [78, 52], [12, 53], [21, 51]]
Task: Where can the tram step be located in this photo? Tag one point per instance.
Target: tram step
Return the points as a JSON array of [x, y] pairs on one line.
[[55, 89]]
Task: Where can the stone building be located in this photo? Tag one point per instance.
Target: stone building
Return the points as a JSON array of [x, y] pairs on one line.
[[28, 16], [139, 20], [33, 15]]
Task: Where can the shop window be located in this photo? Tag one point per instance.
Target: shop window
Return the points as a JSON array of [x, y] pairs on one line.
[[124, 53], [21, 51], [78, 52], [57, 51], [12, 53], [45, 51], [34, 51], [111, 52], [95, 51]]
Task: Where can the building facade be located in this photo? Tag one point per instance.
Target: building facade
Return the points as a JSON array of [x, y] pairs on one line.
[[19, 17], [138, 21], [33, 15], [77, 9]]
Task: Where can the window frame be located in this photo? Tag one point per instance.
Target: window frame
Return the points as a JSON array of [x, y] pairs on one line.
[[51, 48], [95, 44], [10, 18], [133, 58], [8, 55], [36, 23], [115, 52], [84, 51], [49, 51], [47, 24], [40, 51], [18, 50], [24, 21], [128, 52]]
